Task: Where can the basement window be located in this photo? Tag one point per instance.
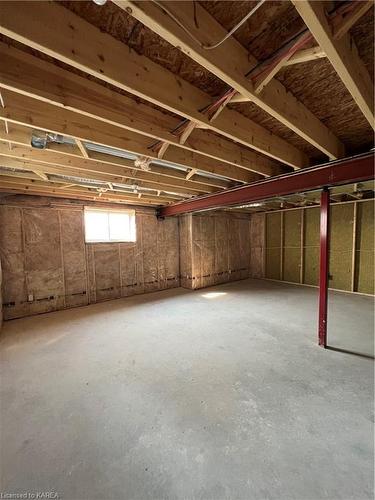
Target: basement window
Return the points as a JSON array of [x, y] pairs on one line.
[[106, 226]]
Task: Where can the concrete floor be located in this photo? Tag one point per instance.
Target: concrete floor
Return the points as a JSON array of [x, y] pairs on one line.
[[215, 394]]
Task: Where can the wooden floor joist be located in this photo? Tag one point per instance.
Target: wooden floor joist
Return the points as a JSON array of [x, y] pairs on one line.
[[27, 111], [110, 169], [342, 54], [82, 195], [230, 62], [108, 59], [76, 193], [59, 183], [26, 74], [21, 136], [41, 170]]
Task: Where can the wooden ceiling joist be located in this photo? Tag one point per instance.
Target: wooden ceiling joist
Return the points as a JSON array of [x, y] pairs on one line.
[[21, 135], [230, 62], [49, 189], [42, 169], [80, 195], [30, 112], [80, 44], [61, 184], [26, 74], [342, 54], [55, 162]]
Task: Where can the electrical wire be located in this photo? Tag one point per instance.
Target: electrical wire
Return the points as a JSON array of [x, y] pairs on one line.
[[202, 45]]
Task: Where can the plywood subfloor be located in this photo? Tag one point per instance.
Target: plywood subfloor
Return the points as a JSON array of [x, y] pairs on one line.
[[210, 394]]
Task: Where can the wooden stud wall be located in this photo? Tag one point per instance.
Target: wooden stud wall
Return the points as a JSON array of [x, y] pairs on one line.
[[273, 245], [44, 254], [214, 249], [291, 245]]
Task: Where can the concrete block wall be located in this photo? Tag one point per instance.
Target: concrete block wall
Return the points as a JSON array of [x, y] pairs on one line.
[[47, 265]]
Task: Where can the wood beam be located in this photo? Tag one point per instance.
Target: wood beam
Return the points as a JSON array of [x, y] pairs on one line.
[[108, 59], [342, 54], [230, 62], [30, 112]]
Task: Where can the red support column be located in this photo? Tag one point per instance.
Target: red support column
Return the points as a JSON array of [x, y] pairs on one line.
[[323, 266]]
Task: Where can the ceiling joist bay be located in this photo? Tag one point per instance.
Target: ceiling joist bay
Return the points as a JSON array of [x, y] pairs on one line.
[[342, 53], [26, 74], [80, 44], [230, 62]]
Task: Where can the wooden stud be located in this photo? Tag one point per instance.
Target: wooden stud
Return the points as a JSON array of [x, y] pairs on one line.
[[302, 259], [282, 246], [264, 245], [354, 245], [62, 260]]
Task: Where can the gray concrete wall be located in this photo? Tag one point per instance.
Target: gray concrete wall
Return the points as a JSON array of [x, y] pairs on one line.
[[47, 265]]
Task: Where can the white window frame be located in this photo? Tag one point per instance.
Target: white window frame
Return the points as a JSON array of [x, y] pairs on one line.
[[131, 231]]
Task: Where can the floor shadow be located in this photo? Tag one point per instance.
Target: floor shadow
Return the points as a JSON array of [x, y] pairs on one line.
[[353, 353]]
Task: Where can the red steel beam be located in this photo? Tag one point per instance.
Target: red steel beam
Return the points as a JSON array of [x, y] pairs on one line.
[[323, 267], [346, 171]]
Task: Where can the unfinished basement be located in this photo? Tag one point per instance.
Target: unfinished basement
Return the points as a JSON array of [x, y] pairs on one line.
[[187, 250]]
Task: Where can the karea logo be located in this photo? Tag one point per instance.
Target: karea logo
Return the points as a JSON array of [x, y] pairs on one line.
[[29, 495]]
